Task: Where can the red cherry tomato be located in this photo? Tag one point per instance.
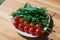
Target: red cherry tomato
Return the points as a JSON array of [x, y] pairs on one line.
[[26, 22], [37, 25], [31, 30], [16, 18], [20, 26], [38, 31], [31, 25], [21, 20], [26, 28], [15, 24]]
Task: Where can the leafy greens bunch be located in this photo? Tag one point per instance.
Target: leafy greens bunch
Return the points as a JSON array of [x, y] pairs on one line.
[[32, 14]]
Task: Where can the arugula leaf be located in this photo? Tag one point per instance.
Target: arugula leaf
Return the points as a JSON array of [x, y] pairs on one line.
[[28, 18]]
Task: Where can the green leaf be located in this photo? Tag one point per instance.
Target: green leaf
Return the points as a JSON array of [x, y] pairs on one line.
[[35, 20], [44, 22]]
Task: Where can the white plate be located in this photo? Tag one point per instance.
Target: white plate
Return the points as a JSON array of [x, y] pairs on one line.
[[27, 34]]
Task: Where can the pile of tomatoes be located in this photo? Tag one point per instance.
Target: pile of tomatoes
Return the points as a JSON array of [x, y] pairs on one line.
[[26, 26]]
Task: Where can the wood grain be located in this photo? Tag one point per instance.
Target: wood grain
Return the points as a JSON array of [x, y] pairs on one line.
[[8, 33]]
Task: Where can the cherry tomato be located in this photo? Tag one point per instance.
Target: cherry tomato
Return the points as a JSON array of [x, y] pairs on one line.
[[38, 31], [16, 18], [37, 25], [31, 25], [26, 28], [15, 24], [26, 22], [21, 20], [20, 26], [31, 30]]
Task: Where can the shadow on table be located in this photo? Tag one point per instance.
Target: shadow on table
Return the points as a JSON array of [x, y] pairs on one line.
[[44, 36]]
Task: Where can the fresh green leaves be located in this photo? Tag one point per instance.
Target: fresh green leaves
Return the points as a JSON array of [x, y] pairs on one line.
[[28, 18], [32, 14], [35, 20]]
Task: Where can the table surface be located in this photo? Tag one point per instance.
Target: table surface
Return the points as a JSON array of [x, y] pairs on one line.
[[8, 6]]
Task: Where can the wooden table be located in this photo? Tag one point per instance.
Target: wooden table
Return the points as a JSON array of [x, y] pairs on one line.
[[8, 6]]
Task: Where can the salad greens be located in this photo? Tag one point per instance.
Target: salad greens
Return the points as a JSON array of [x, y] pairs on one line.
[[32, 14]]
